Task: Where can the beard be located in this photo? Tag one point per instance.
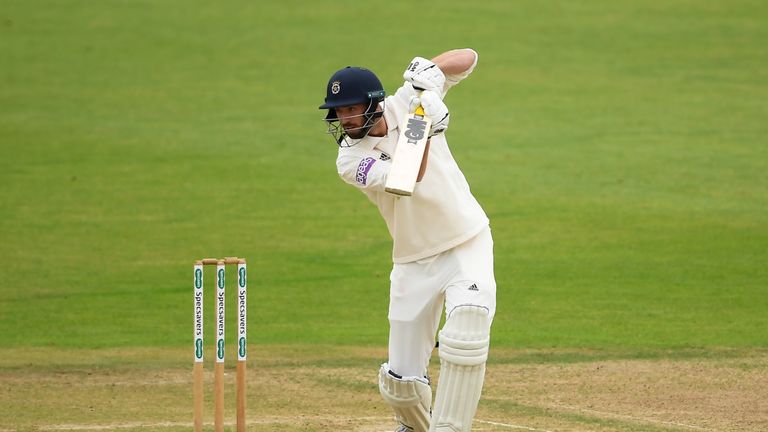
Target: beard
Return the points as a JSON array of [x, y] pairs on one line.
[[356, 132]]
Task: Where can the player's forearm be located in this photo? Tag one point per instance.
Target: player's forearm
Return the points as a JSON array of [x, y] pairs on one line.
[[456, 61]]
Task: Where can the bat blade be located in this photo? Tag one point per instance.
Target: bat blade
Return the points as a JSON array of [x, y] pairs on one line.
[[408, 154]]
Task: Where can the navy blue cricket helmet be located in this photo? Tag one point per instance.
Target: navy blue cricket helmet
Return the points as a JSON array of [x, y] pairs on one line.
[[352, 86]]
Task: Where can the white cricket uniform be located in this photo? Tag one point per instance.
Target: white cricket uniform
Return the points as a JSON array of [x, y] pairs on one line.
[[442, 245]]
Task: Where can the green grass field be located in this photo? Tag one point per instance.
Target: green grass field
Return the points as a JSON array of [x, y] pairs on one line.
[[619, 149]]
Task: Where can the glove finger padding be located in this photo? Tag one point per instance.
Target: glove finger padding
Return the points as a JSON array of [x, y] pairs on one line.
[[435, 108], [414, 103], [425, 75]]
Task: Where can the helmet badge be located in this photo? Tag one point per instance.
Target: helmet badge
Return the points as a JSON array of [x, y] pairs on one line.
[[336, 87]]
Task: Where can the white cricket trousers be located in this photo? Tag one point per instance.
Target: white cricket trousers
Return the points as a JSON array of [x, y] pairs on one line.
[[418, 291]]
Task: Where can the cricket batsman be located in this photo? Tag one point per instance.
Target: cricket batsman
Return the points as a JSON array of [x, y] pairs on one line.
[[442, 247]]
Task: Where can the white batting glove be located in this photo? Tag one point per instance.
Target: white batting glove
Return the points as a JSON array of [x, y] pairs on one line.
[[435, 108], [425, 75]]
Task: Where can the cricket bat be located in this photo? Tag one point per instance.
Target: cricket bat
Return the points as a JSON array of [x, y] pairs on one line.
[[409, 153]]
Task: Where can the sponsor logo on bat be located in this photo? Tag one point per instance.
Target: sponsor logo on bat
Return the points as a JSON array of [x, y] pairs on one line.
[[415, 130]]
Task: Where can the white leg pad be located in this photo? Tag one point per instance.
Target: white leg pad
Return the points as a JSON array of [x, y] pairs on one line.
[[409, 397], [464, 342]]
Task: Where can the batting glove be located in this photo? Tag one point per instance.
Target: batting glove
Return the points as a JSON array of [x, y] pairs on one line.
[[425, 75], [434, 108]]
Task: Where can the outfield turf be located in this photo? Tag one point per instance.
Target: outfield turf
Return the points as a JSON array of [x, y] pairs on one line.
[[618, 147]]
